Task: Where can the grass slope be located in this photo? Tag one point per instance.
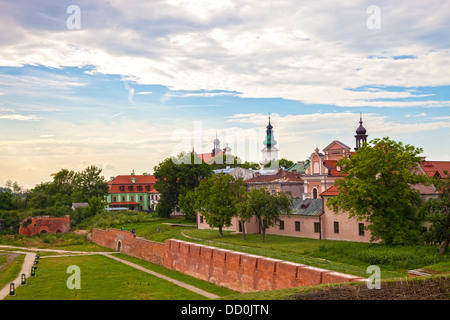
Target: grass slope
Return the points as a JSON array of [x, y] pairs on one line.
[[101, 279]]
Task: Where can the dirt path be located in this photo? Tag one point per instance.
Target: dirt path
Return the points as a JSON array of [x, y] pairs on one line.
[[179, 283], [26, 269]]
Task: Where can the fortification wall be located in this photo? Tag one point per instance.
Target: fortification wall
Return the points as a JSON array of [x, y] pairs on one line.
[[46, 225], [128, 243], [235, 270], [244, 272]]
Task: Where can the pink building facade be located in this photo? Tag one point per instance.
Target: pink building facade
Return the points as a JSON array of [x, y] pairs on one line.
[[311, 218]]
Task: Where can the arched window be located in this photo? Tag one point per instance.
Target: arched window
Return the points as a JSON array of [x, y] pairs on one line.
[[314, 193]]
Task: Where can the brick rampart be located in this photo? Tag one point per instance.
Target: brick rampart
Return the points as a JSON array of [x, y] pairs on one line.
[[244, 272], [238, 271], [128, 243], [46, 225]]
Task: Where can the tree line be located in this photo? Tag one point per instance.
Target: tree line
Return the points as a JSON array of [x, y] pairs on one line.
[[54, 198]]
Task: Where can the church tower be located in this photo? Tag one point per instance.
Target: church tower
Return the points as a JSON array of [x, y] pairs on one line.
[[270, 152], [361, 135], [216, 149]]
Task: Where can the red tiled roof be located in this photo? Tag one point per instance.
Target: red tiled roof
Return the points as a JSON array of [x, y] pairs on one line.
[[280, 177], [332, 168], [147, 182], [433, 167], [331, 191], [207, 157]]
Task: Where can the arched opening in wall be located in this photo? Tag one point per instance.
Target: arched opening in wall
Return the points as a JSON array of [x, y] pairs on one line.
[[43, 231], [314, 193], [58, 231], [119, 246]]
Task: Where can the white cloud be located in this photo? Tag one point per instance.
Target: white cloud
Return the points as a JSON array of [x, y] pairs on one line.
[[311, 52], [20, 117]]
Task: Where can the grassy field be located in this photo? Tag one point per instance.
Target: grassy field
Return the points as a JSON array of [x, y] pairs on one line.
[[104, 277], [101, 279], [9, 271]]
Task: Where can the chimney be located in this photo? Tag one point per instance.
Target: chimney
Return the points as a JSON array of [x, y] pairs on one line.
[[294, 171], [284, 173], [256, 174]]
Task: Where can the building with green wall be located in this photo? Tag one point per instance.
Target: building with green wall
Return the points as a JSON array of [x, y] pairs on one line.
[[134, 192]]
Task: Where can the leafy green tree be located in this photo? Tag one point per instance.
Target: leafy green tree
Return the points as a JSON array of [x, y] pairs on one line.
[[186, 202], [266, 207], [217, 199], [67, 187], [437, 211], [233, 162], [377, 187], [6, 201], [91, 183], [175, 176], [280, 163]]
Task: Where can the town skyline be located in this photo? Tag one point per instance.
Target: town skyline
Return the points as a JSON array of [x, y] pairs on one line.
[[125, 86]]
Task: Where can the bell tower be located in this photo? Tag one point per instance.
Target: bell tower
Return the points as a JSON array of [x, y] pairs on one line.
[[270, 152], [361, 135]]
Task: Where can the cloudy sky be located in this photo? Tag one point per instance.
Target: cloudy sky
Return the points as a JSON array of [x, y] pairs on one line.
[[126, 84]]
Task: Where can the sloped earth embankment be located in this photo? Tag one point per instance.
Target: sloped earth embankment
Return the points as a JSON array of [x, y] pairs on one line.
[[425, 288]]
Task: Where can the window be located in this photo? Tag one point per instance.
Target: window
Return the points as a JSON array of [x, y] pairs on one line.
[[201, 219], [361, 229], [132, 198], [141, 198], [336, 227], [316, 168], [314, 193], [114, 199], [317, 227], [124, 199], [297, 225], [281, 225]]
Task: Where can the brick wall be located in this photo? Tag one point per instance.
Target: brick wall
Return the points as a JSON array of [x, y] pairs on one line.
[[130, 244], [235, 270], [244, 272], [46, 225]]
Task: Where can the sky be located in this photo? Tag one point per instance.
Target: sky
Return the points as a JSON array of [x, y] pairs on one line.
[[123, 85]]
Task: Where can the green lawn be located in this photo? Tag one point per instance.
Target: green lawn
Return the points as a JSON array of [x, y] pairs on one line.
[[101, 279], [394, 260], [9, 271]]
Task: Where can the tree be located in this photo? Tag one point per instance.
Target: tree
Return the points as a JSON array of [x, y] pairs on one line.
[[178, 176], [377, 187], [186, 202], [6, 201], [68, 186], [217, 199], [437, 211], [280, 163], [90, 183], [266, 207]]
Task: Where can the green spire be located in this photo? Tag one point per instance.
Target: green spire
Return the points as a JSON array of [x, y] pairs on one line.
[[270, 141]]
